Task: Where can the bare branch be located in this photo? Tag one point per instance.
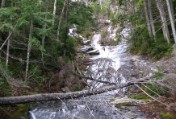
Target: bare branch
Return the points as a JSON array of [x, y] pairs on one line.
[[150, 95]]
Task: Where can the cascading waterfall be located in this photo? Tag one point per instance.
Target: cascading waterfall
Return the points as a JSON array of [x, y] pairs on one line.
[[98, 106]]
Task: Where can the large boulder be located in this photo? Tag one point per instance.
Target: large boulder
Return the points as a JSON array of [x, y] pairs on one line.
[[86, 49], [93, 52]]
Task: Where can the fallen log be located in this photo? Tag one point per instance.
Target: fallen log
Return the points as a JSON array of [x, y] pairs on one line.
[[70, 95], [57, 96]]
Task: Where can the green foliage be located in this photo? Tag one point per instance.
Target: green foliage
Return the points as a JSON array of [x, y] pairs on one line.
[[14, 111], [140, 96], [139, 2], [142, 44], [5, 88], [167, 115], [120, 105], [79, 14], [118, 35], [46, 46], [158, 75], [104, 33], [121, 18], [158, 89], [35, 72]]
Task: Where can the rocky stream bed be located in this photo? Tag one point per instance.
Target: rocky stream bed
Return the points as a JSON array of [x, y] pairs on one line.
[[109, 63]]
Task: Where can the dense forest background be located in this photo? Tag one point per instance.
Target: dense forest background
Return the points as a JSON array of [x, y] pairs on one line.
[[38, 55], [34, 39]]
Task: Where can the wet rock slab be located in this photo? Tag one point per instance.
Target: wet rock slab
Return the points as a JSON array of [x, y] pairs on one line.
[[93, 52]]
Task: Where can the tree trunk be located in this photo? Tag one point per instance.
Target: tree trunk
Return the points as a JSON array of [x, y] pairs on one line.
[[126, 5], [60, 20], [7, 56], [134, 5], [163, 20], [70, 95], [147, 18], [171, 16], [100, 2], [29, 50], [54, 10], [44, 37], [43, 45], [53, 96], [40, 2], [151, 18], [66, 11], [3, 3], [171, 6]]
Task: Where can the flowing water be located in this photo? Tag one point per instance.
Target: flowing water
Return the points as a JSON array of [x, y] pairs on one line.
[[105, 67]]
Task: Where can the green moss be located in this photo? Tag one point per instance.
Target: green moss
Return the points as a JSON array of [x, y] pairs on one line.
[[158, 89], [5, 88], [167, 115], [77, 88], [124, 104], [140, 96], [15, 111], [87, 33], [158, 75]]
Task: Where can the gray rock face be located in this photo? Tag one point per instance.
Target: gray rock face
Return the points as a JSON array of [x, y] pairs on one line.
[[86, 49], [93, 52]]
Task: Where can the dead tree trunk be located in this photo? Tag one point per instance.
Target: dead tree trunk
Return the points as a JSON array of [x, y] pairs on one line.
[[44, 37], [7, 56], [54, 10], [163, 20], [29, 50], [70, 95], [147, 18], [3, 3], [171, 16], [151, 18], [100, 3], [60, 19], [57, 96]]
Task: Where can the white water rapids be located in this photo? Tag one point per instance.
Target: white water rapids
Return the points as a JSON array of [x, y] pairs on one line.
[[105, 67]]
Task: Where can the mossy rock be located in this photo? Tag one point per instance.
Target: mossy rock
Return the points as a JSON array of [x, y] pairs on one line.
[[120, 105]]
